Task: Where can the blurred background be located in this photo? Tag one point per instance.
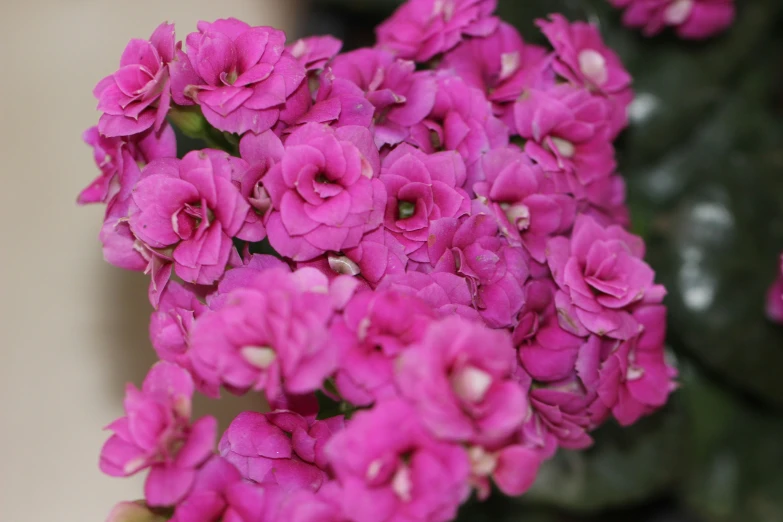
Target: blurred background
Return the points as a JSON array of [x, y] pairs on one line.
[[703, 160]]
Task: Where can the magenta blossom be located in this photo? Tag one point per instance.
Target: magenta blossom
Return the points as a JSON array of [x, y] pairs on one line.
[[281, 448], [582, 57], [775, 297], [692, 19], [502, 66], [567, 131], [324, 191], [374, 329], [188, 210], [526, 208], [137, 97], [444, 292], [241, 76], [316, 51], [378, 254], [220, 495], [461, 120], [459, 379], [391, 469], [156, 433], [401, 97], [636, 379], [305, 506], [421, 188], [107, 153], [494, 271], [421, 29], [601, 272], [512, 467], [271, 334]]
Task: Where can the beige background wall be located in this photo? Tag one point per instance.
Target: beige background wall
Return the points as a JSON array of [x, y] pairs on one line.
[[73, 330]]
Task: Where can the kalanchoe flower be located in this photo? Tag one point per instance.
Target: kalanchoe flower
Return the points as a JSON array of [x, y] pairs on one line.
[[241, 76], [421, 188], [270, 335], [324, 191], [582, 57], [502, 66], [527, 209], [459, 379], [461, 120], [391, 469], [445, 292], [494, 270], [107, 153], [512, 467], [692, 19], [378, 255], [316, 51], [337, 102], [401, 96], [567, 131], [281, 447], [636, 378], [421, 29], [374, 329], [220, 495], [775, 298], [584, 60], [305, 506], [188, 210], [156, 433], [137, 97], [601, 273]]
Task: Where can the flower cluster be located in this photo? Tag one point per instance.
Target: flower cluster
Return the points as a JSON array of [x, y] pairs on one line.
[[691, 19], [453, 282]]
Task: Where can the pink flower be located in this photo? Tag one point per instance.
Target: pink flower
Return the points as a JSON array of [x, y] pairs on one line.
[[220, 494], [421, 188], [137, 97], [493, 270], [373, 330], [241, 76], [458, 378], [156, 433], [107, 153], [280, 447], [243, 276], [390, 469], [325, 191], [513, 468], [636, 379], [461, 120], [444, 292], [601, 274], [171, 325], [693, 19], [502, 66], [338, 102], [514, 189], [315, 52], [567, 131], [305, 506], [269, 335], [188, 210], [401, 97], [420, 29], [378, 254], [775, 298], [582, 57]]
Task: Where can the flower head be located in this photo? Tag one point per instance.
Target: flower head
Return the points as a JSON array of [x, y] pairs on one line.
[[156, 433], [137, 97], [241, 76]]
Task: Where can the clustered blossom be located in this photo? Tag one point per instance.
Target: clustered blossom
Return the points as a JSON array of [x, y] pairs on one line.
[[691, 19], [448, 292]]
